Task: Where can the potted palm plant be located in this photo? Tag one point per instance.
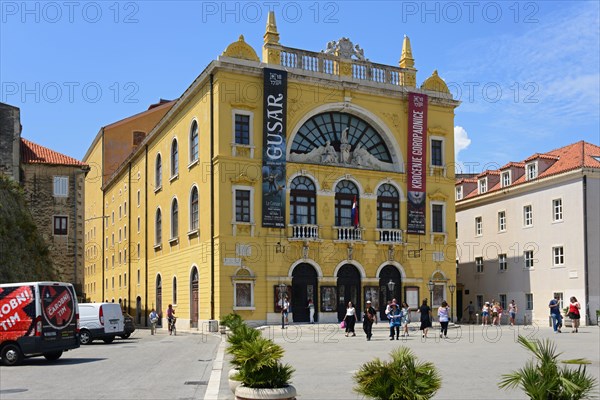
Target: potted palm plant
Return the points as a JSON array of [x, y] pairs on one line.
[[402, 378], [240, 333], [261, 372], [542, 378]]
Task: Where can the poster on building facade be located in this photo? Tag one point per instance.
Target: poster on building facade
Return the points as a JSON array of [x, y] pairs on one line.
[[417, 162], [274, 143]]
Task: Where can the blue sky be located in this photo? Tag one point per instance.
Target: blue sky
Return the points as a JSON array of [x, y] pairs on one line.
[[527, 72]]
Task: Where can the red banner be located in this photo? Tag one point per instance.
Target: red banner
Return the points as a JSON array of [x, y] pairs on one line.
[[16, 316], [417, 162]]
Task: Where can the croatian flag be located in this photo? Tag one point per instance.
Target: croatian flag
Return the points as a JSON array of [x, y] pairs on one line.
[[355, 213]]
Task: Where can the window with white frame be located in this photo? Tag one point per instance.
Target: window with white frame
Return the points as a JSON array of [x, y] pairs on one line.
[[528, 256], [243, 292], [174, 290], [437, 153], [158, 172], [558, 255], [482, 185], [437, 218], [194, 209], [478, 226], [479, 264], [158, 228], [505, 179], [529, 301], [194, 142], [174, 219], [527, 215], [557, 211], [531, 171], [174, 158], [502, 301], [502, 262], [459, 193], [139, 197], [501, 221], [242, 205], [560, 299], [139, 224], [61, 186], [242, 129]]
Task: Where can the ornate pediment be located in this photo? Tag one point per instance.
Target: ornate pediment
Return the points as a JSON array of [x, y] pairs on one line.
[[344, 48], [435, 83], [241, 49], [438, 195], [243, 179]]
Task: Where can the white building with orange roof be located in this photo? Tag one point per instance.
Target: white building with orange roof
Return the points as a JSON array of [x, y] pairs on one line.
[[530, 230]]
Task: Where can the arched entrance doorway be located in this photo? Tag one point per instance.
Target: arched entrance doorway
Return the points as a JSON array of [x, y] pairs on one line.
[[159, 299], [348, 285], [304, 287], [387, 274], [194, 298]]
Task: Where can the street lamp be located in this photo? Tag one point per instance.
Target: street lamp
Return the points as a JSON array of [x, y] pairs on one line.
[[391, 285], [282, 290], [430, 285], [452, 288]]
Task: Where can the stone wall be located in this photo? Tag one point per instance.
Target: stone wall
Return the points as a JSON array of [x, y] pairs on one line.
[[10, 135]]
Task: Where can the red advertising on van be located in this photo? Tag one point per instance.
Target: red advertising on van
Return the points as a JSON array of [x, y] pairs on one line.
[[17, 312]]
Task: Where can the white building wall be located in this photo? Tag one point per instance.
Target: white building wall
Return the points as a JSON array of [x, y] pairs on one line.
[[545, 278], [593, 243]]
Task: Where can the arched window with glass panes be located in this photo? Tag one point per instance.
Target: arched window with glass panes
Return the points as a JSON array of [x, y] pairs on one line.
[[388, 207], [174, 219], [345, 194], [303, 201], [158, 228], [194, 209]]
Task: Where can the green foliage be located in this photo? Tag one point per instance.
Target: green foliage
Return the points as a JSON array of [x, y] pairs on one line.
[[259, 365], [23, 253], [239, 335], [232, 321], [402, 378], [542, 379]]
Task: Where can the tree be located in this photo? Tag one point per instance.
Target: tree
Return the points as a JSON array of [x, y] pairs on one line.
[[24, 256], [544, 380]]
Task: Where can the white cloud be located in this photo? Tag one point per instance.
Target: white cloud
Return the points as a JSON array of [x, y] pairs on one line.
[[461, 140]]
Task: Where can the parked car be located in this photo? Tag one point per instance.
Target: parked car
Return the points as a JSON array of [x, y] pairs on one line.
[[129, 325], [100, 321]]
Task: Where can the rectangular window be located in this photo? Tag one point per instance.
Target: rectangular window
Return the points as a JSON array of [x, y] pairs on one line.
[[242, 206], [243, 294], [436, 153], [479, 301], [139, 224], [557, 214], [528, 216], [506, 178], [139, 277], [459, 193], [559, 255], [528, 255], [113, 282], [560, 299], [502, 262], [529, 301], [501, 221], [437, 218], [139, 196], [531, 171], [60, 225], [478, 226], [61, 186], [479, 264], [482, 185], [139, 251], [328, 298], [503, 301], [242, 129]]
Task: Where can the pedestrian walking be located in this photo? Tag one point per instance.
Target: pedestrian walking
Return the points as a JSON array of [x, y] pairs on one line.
[[471, 310], [311, 310], [153, 317], [394, 318], [350, 319], [405, 319], [512, 312], [443, 315], [554, 306], [425, 312], [170, 318], [574, 314], [485, 314], [370, 317]]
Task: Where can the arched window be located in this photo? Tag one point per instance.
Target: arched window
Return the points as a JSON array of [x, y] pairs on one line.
[[158, 172], [174, 158], [388, 203], [174, 290], [303, 201], [345, 193], [158, 227], [194, 142], [159, 297], [194, 209], [174, 219]]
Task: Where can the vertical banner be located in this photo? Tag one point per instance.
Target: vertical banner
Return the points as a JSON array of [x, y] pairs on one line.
[[274, 146], [417, 162]]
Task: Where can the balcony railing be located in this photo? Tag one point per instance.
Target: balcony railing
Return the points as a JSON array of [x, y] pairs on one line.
[[390, 236], [304, 232], [330, 64], [349, 233]]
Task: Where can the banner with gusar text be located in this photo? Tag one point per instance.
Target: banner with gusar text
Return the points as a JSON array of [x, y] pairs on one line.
[[417, 162], [274, 147]]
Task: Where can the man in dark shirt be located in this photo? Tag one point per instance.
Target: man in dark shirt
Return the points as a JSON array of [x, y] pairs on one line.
[[368, 319], [554, 306]]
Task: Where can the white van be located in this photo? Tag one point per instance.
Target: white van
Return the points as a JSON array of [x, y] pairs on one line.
[[37, 319], [100, 321]]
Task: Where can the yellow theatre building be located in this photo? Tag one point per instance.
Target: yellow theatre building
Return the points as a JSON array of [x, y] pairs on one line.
[[316, 175]]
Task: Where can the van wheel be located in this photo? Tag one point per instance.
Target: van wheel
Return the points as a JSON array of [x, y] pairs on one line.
[[53, 356], [126, 335], [108, 340], [85, 337], [11, 355]]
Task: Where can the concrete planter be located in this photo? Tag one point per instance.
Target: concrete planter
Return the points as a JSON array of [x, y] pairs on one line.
[[245, 393], [233, 384]]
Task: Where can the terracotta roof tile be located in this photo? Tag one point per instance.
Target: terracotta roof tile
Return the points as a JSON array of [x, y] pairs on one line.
[[513, 164], [32, 153]]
